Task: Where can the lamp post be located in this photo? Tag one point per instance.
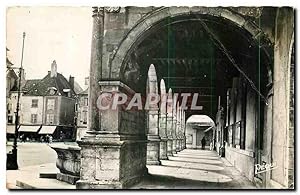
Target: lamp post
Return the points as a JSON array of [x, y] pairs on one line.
[[12, 158]]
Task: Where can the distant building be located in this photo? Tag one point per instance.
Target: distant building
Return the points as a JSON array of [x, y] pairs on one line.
[[82, 114], [47, 106], [11, 76]]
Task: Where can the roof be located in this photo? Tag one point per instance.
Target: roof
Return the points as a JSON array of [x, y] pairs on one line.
[[41, 87], [10, 73], [30, 83], [8, 63]]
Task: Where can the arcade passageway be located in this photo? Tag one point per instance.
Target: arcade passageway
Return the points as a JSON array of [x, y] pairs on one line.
[[227, 57]]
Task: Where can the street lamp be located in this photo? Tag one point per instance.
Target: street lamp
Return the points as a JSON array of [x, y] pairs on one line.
[[12, 160]]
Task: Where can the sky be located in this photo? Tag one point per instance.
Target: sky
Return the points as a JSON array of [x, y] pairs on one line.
[[52, 33]]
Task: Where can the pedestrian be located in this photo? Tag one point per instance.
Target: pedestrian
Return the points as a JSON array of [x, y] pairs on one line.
[[47, 138], [203, 143], [50, 139], [42, 139], [23, 138]]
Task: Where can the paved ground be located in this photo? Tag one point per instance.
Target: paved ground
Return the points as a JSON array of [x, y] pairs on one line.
[[189, 169], [30, 154], [34, 158], [194, 169]]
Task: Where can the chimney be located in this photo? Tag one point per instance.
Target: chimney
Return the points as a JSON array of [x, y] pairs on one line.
[[86, 81], [71, 82], [23, 79], [53, 69]]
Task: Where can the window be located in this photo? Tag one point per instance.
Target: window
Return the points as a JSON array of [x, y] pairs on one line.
[[34, 103], [9, 108], [84, 113], [50, 118], [50, 104], [33, 118], [9, 119], [86, 102]]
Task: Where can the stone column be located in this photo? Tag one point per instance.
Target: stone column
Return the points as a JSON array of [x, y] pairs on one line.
[[163, 122], [194, 141], [88, 155], [153, 144], [184, 130], [114, 156], [174, 130], [113, 152], [178, 128], [170, 123], [95, 67], [181, 130]]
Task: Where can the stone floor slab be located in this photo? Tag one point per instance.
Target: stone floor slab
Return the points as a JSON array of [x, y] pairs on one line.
[[194, 169]]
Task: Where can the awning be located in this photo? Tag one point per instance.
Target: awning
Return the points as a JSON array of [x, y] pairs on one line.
[[47, 130], [32, 129], [10, 129]]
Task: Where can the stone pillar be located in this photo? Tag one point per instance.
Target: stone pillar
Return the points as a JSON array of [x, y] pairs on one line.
[[184, 130], [95, 67], [178, 128], [194, 141], [174, 130], [163, 122], [87, 176], [112, 156], [153, 144], [170, 123], [115, 155]]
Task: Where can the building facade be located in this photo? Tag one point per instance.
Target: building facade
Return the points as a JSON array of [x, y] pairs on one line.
[[82, 114], [47, 106]]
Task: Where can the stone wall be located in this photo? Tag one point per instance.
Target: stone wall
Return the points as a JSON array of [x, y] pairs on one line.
[[283, 128], [242, 160]]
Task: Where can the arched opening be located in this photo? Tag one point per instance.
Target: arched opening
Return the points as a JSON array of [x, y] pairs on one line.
[[199, 131], [225, 64], [221, 55]]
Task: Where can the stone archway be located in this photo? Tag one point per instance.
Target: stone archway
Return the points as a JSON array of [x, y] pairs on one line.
[[157, 18], [197, 127], [114, 155]]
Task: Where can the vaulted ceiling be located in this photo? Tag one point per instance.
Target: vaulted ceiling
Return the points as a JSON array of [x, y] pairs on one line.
[[189, 61]]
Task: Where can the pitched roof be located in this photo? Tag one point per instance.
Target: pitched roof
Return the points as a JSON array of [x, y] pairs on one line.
[[30, 83], [8, 63], [42, 87]]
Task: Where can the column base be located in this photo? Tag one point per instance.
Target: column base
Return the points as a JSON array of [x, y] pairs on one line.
[[153, 150], [181, 144], [109, 163], [169, 147], [174, 146], [177, 145], [163, 149], [92, 184]]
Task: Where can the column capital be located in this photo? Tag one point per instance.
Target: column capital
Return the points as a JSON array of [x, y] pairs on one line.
[[112, 9], [98, 11]]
